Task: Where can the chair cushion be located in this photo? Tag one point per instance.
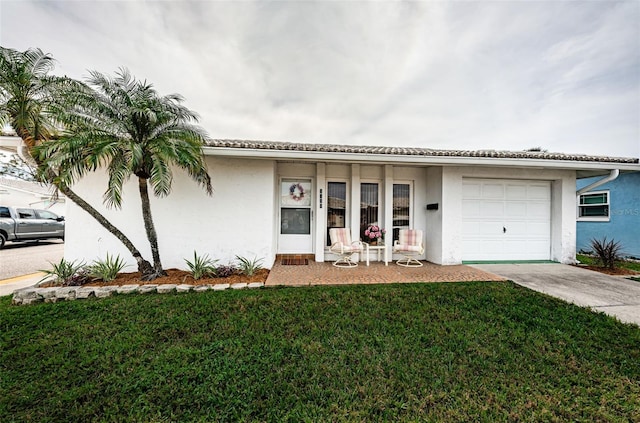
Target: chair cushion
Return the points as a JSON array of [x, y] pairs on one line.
[[347, 248], [341, 236], [406, 247], [410, 237]]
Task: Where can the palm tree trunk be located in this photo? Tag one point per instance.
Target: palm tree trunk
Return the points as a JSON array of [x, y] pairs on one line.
[[144, 267], [149, 227]]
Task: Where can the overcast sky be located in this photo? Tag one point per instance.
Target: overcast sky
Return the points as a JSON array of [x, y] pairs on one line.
[[564, 76]]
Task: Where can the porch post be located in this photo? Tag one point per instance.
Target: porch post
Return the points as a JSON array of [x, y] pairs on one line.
[[355, 201], [320, 211], [387, 217]]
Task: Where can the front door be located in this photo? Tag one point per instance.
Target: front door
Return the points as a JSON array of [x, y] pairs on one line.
[[296, 217]]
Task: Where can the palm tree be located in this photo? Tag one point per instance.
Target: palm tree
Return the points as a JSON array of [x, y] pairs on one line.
[[124, 125], [29, 100]]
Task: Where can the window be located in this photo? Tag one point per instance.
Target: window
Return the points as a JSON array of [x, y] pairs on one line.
[[368, 206], [295, 210], [43, 214], [401, 208], [26, 214], [4, 212], [336, 206], [594, 206]]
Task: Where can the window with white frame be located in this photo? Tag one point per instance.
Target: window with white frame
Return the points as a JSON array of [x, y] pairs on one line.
[[401, 208], [594, 206]]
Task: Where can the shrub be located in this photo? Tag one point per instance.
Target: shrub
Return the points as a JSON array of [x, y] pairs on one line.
[[607, 251], [64, 272], [107, 269], [225, 271], [249, 267], [201, 266]]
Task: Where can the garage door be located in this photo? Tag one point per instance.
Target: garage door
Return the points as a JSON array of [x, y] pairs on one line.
[[506, 219]]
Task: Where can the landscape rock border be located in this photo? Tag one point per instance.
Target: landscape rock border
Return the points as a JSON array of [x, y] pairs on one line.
[[33, 295]]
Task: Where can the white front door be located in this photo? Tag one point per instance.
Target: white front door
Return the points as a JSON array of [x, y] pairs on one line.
[[295, 217], [506, 220]]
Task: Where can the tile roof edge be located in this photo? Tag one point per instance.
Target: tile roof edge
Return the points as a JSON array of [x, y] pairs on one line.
[[412, 151]]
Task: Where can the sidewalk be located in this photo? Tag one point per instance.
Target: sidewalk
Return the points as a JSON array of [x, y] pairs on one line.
[[7, 286]]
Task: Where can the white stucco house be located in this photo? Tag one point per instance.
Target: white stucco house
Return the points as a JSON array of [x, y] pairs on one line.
[[275, 198]]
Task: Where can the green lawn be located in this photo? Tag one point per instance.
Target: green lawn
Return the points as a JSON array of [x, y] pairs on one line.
[[437, 352], [593, 261]]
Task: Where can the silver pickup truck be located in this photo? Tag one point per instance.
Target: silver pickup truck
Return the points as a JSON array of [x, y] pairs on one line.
[[25, 224]]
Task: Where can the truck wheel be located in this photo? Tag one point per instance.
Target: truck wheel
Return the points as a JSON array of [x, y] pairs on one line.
[[3, 239]]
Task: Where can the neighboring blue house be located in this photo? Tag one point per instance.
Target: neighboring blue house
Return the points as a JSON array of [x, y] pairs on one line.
[[611, 210]]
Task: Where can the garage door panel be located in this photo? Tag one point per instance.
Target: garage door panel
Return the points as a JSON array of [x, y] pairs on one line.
[[470, 208], [471, 190], [491, 209], [516, 209], [539, 192], [538, 230], [493, 190], [538, 210], [523, 208], [516, 192]]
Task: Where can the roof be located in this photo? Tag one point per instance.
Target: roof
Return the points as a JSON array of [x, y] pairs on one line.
[[412, 151]]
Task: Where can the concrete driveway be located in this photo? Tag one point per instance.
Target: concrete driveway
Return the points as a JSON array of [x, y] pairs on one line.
[[613, 295]]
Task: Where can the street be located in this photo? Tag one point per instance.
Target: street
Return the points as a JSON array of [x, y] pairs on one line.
[[17, 259]]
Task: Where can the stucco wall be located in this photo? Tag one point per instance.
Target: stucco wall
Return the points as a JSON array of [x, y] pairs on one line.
[[624, 209], [235, 220]]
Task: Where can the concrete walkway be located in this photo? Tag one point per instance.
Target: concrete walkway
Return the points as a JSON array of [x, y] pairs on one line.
[[613, 295]]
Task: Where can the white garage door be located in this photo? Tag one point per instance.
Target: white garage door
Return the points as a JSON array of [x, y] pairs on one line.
[[506, 219]]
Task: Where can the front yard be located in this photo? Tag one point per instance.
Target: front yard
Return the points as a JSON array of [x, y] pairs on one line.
[[443, 351]]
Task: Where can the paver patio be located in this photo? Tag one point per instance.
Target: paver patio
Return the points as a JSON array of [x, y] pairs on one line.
[[326, 274]]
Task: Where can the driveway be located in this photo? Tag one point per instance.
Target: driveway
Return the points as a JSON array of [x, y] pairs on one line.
[[20, 263], [613, 295]]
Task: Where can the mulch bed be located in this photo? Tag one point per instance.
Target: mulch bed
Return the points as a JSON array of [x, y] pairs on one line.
[[618, 271], [177, 277]]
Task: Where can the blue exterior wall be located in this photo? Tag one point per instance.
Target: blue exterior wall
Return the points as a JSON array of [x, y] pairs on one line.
[[624, 210]]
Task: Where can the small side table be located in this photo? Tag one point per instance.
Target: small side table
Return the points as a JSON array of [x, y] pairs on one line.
[[379, 249]]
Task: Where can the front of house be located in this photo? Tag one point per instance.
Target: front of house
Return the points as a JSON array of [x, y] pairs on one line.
[[275, 198]]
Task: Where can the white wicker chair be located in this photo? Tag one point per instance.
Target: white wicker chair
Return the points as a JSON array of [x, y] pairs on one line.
[[409, 245], [342, 245]]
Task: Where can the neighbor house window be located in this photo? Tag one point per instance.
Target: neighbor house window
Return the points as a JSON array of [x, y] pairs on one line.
[[594, 206]]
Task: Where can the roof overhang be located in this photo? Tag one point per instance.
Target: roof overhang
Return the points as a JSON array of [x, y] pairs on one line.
[[583, 168]]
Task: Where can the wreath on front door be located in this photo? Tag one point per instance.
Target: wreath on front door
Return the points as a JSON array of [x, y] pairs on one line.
[[296, 192]]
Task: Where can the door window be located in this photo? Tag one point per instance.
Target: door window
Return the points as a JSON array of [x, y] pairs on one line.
[[26, 213], [295, 207], [43, 214]]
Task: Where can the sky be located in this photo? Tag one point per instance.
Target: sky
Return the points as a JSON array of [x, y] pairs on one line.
[[503, 75]]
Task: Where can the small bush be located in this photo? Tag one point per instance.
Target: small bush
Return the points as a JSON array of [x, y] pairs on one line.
[[201, 266], [107, 269], [225, 271], [607, 251], [64, 272], [249, 267]]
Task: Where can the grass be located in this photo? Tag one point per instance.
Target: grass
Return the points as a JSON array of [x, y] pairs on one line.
[[594, 261], [412, 352]]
